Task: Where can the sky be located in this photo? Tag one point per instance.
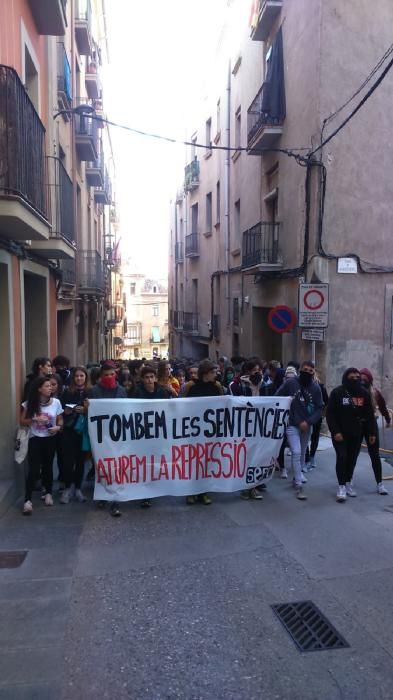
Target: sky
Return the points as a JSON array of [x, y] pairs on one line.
[[159, 56]]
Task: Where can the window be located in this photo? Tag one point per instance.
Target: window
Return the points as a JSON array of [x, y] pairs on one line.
[[133, 289], [136, 353], [237, 223], [195, 295], [32, 80], [194, 218], [132, 332], [238, 133], [156, 309], [209, 213], [193, 147], [155, 334], [218, 202], [154, 290], [208, 137], [218, 119], [236, 312]]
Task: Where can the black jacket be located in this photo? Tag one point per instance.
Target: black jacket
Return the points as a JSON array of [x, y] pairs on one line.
[[200, 388], [306, 404], [158, 393], [349, 415], [77, 397], [99, 392]]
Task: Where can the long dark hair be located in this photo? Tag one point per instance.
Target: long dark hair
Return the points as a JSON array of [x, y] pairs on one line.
[[79, 368], [33, 401]]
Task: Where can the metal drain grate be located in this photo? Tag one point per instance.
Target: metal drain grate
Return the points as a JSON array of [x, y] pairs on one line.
[[11, 560], [308, 627]]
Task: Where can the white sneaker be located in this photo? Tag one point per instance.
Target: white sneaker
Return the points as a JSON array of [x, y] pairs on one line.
[[382, 490], [79, 496], [350, 490], [283, 473], [341, 494], [65, 496], [304, 480], [27, 508], [300, 495], [48, 500]]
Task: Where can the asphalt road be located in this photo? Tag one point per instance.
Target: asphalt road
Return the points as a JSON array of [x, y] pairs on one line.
[[175, 601]]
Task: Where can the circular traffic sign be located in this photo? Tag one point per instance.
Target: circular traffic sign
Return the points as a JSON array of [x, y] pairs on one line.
[[281, 319], [314, 299]]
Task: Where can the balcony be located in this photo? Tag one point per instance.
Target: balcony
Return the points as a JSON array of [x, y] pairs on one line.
[[179, 254], [190, 322], [68, 273], [191, 175], [263, 129], [90, 272], [94, 172], [103, 195], [92, 81], [192, 245], [216, 326], [61, 243], [86, 136], [83, 27], [115, 315], [260, 249], [49, 16], [265, 18], [23, 192], [133, 335], [64, 80], [179, 196]]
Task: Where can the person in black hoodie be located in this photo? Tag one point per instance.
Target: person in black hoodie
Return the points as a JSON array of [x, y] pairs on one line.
[[205, 385], [305, 410], [349, 414]]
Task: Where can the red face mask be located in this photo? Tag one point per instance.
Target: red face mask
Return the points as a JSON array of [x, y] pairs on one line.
[[108, 382]]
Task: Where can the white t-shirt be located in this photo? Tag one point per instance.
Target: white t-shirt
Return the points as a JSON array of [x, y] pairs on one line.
[[51, 411]]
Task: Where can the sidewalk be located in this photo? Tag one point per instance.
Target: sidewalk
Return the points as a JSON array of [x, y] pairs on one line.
[[174, 602]]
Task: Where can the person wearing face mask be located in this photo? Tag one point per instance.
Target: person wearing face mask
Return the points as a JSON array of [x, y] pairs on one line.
[[379, 405], [108, 388], [349, 415], [304, 412]]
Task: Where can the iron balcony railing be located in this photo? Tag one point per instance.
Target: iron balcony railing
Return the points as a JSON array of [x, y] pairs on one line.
[[192, 245], [22, 144], [191, 175], [61, 200], [257, 117], [179, 253], [68, 272], [190, 322], [260, 245], [90, 270], [64, 76]]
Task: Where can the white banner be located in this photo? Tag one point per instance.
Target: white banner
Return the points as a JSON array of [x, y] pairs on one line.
[[143, 449]]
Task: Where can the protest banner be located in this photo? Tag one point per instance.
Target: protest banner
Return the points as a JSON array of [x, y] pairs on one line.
[[143, 449]]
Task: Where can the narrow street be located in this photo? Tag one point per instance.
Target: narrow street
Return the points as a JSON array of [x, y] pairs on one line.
[[174, 602]]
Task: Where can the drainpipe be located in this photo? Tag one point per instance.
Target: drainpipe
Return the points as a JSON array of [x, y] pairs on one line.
[[227, 189]]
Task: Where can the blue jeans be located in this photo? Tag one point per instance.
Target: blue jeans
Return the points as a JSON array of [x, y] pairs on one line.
[[298, 442]]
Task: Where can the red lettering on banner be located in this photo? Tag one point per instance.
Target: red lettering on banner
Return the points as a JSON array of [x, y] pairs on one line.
[[152, 465], [108, 461], [124, 465], [164, 473], [102, 473], [228, 456], [214, 460], [243, 448], [176, 455]]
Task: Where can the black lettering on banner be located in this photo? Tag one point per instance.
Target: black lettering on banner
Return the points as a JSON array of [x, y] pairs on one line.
[[99, 420], [255, 474]]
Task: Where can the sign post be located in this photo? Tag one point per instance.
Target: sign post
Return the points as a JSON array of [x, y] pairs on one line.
[[313, 312]]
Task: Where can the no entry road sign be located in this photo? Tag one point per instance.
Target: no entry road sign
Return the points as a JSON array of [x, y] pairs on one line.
[[281, 319], [313, 305]]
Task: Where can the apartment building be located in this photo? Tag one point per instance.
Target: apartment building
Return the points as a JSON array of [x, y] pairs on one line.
[[146, 308], [55, 192], [247, 227]]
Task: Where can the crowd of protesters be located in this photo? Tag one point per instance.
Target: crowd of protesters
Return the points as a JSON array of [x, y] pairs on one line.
[[56, 400]]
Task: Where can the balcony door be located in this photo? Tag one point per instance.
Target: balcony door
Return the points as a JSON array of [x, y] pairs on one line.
[[194, 218]]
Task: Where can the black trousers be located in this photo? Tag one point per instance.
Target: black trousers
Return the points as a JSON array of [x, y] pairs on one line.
[[373, 451], [314, 442], [73, 458], [59, 455], [347, 453], [40, 457]]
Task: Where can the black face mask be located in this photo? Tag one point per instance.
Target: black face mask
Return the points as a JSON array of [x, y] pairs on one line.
[[353, 385], [255, 378], [305, 378], [365, 383]]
